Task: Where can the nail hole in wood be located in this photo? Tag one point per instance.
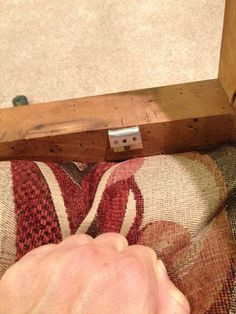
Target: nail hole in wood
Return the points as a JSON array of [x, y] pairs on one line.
[[55, 149]]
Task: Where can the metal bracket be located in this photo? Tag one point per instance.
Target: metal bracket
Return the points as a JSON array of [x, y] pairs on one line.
[[126, 137]]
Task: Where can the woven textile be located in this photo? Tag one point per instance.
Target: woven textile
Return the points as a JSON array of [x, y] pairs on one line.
[[183, 206]]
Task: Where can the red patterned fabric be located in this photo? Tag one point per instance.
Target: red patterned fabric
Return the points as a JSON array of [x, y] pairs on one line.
[[35, 224], [183, 206]]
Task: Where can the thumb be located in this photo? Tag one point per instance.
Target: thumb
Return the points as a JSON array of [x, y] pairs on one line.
[[170, 299], [176, 301]]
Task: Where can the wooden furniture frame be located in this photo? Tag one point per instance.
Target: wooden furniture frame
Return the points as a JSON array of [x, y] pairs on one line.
[[177, 118]]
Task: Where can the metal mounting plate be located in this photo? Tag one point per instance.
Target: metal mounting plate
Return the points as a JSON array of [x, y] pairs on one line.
[[125, 137]]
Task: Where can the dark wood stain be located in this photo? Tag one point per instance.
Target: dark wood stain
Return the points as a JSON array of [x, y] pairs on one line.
[[55, 149], [39, 127], [147, 117]]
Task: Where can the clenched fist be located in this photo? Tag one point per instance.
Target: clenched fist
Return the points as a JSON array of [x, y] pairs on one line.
[[88, 276]]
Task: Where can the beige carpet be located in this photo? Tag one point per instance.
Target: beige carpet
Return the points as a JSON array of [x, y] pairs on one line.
[[62, 49]]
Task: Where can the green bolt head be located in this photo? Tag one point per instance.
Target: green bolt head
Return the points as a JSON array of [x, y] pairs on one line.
[[20, 100]]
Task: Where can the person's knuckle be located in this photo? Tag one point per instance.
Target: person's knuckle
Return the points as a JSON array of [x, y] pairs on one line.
[[89, 251], [10, 277], [145, 250], [131, 270], [73, 254]]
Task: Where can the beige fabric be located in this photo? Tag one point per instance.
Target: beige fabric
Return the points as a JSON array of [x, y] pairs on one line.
[[198, 191], [93, 211], [7, 219], [130, 214]]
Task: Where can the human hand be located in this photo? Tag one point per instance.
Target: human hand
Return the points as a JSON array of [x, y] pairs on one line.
[[88, 276]]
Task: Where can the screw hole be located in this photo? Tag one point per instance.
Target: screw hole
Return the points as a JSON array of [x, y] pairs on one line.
[[134, 138], [124, 140]]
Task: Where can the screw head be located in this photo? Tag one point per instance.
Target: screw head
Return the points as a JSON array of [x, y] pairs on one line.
[[20, 100]]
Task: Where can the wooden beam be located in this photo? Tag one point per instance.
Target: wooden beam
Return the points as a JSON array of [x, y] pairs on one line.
[[171, 119], [227, 68]]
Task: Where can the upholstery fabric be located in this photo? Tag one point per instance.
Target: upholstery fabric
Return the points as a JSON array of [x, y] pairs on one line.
[[182, 205]]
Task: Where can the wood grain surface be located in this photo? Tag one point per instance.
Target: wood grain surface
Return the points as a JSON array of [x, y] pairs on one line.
[[171, 119], [227, 68]]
